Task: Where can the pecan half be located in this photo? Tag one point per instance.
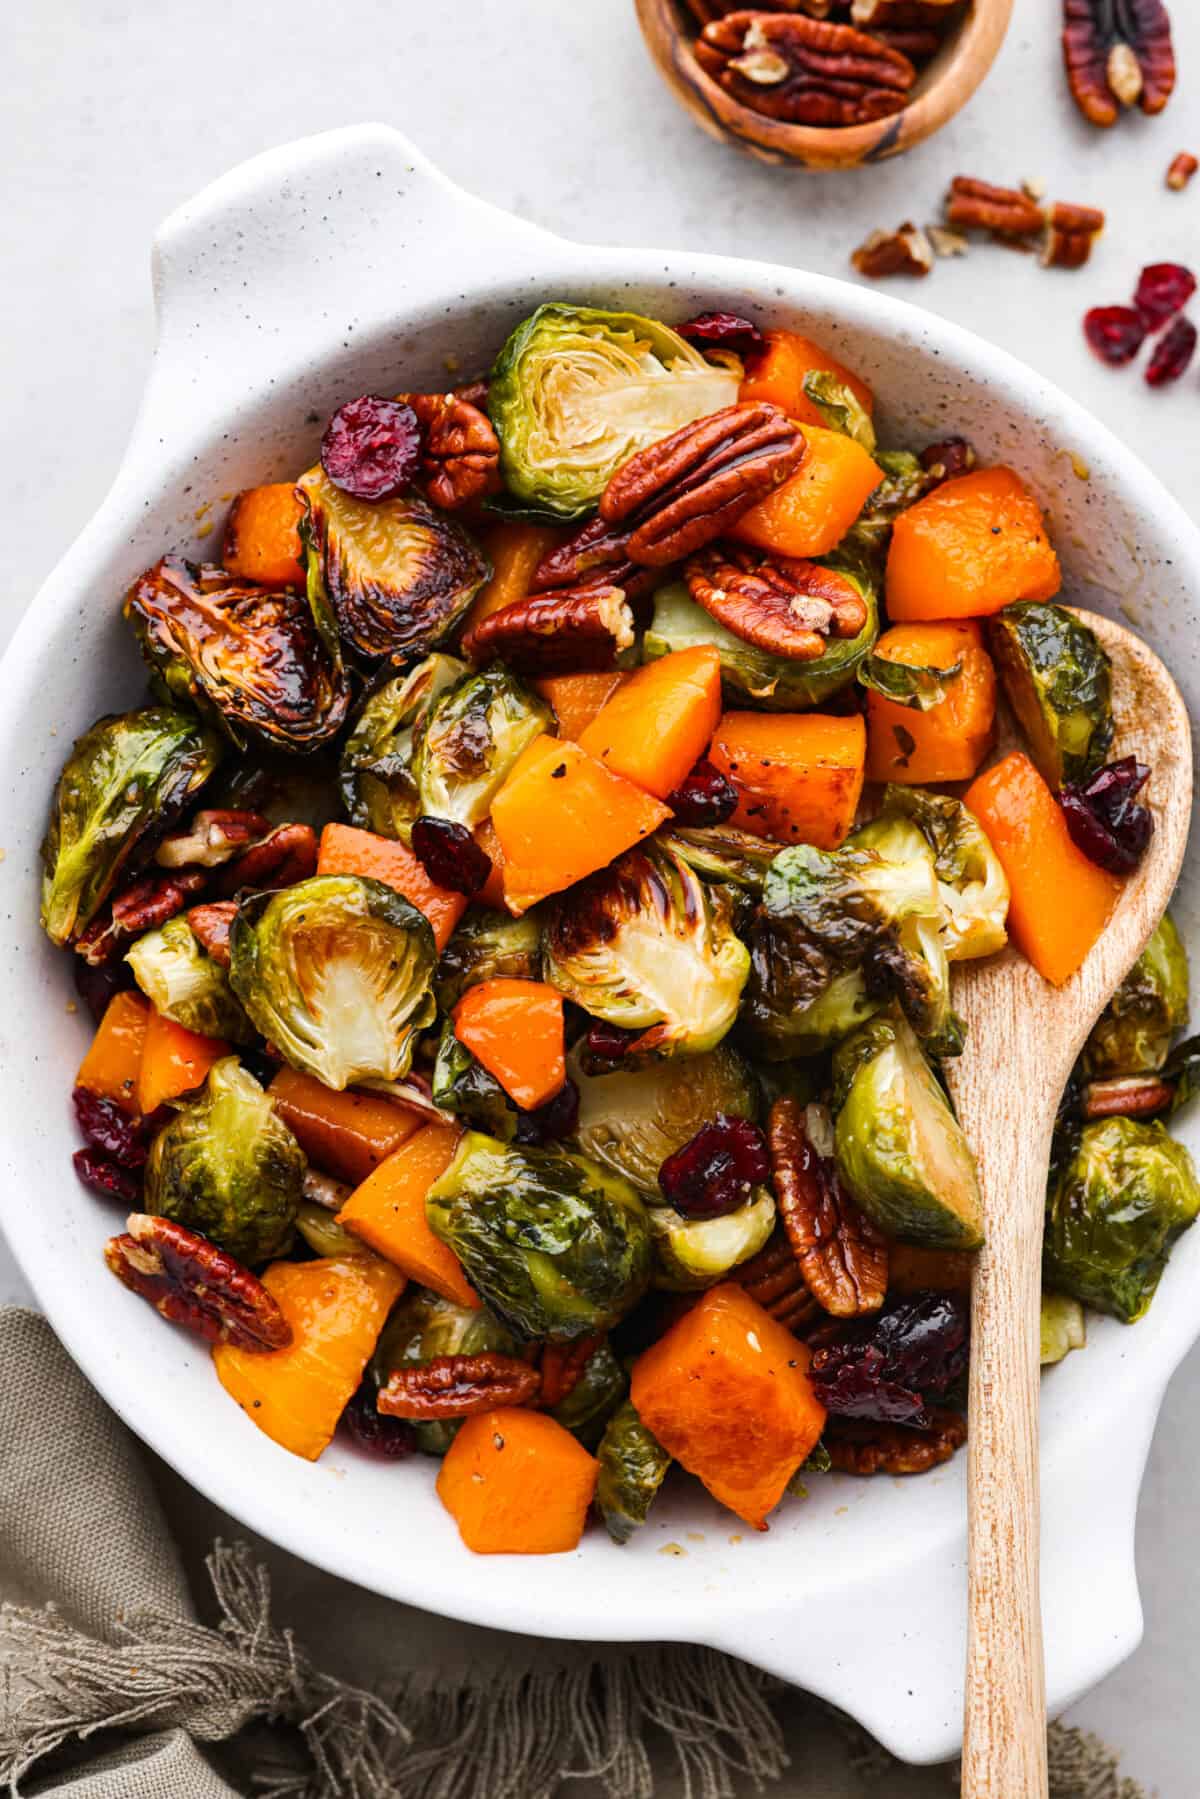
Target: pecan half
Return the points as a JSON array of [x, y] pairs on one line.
[[572, 630], [1118, 53], [144, 906], [1127, 1096], [707, 10], [905, 251], [773, 1278], [861, 1446], [562, 1364], [1070, 233], [781, 604], [974, 205], [288, 855], [211, 838], [842, 1256], [871, 14], [211, 925], [190, 1281], [460, 452], [681, 493], [804, 71], [597, 555], [1182, 168], [455, 1386]]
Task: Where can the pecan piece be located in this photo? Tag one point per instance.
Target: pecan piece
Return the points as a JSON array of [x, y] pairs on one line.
[[455, 1386], [781, 604], [1070, 233], [905, 251], [677, 495], [861, 1446], [597, 555], [288, 855], [774, 1280], [460, 452], [974, 205], [708, 10], [1118, 53], [211, 838], [144, 906], [841, 1254], [804, 71], [191, 1282], [211, 925], [1182, 168], [571, 630], [562, 1365], [1127, 1096]]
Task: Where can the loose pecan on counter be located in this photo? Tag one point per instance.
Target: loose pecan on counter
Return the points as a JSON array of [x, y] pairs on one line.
[[780, 604], [570, 630], [861, 1446], [973, 205], [460, 452], [842, 1256], [905, 251], [804, 71], [1118, 53], [1070, 233], [190, 1281], [1182, 168], [455, 1386]]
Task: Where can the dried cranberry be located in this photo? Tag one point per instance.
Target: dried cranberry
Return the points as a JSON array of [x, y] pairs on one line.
[[371, 447], [724, 331], [1114, 332], [109, 1129], [390, 1438], [96, 985], [608, 1042], [1163, 290], [103, 1175], [551, 1122], [1172, 353], [703, 797], [951, 457], [886, 1367], [450, 855], [1105, 818], [715, 1172]]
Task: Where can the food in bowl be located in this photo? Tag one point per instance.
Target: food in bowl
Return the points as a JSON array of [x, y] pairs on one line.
[[518, 1039]]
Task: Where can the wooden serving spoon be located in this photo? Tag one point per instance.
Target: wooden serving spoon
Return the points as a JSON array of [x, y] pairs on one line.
[[1023, 1037]]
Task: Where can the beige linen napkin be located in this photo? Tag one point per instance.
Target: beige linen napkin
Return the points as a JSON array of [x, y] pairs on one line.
[[143, 1659]]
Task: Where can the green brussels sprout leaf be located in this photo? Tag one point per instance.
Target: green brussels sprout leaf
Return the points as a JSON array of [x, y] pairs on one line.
[[840, 407], [1133, 1034], [594, 1398], [377, 779], [463, 1086], [1058, 680], [488, 946], [632, 1120], [633, 1466], [182, 982], [972, 884], [1064, 1327], [721, 853], [919, 688]]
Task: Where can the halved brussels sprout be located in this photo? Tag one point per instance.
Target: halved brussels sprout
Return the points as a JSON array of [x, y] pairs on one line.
[[754, 677], [377, 779], [182, 982], [577, 391], [633, 1466], [387, 578], [690, 1253], [424, 1325], [1064, 1327], [646, 945], [1127, 1193], [1058, 680], [632, 1121], [488, 946], [462, 1085], [900, 1150], [594, 1398], [336, 972], [1133, 1033], [473, 736], [840, 407], [249, 658], [228, 1167], [721, 853], [126, 779], [972, 884], [553, 1243]]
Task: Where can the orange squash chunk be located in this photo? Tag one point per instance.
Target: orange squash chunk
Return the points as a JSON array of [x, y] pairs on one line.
[[813, 510], [577, 699], [726, 1392], [948, 742], [514, 550], [560, 816], [515, 1028], [336, 1307], [492, 892], [262, 536], [516, 1483], [114, 1060], [778, 376], [656, 728], [174, 1062], [1059, 901], [388, 1212], [345, 850], [343, 1134], [798, 774], [969, 548]]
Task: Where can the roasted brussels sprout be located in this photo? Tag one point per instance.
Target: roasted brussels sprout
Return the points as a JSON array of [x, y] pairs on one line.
[[904, 482], [424, 1325], [633, 1466], [633, 1121], [754, 677], [336, 972], [646, 945], [1064, 1327], [125, 780], [1133, 1034], [576, 391], [228, 1167], [1058, 681], [323, 1234], [972, 884], [691, 1253], [249, 658], [183, 983], [488, 946], [472, 737], [377, 779], [840, 407], [462, 1085], [1114, 1212], [721, 853], [594, 1398], [552, 1242], [899, 1148], [391, 578]]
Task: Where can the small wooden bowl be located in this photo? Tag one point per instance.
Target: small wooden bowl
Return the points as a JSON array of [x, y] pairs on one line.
[[943, 86]]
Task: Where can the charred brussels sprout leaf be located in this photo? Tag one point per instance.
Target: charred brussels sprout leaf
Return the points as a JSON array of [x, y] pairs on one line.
[[646, 945], [336, 972], [594, 1398], [1059, 683], [721, 853], [424, 1325], [1064, 1327], [840, 407], [1133, 1034], [249, 658], [394, 577], [1114, 1212], [972, 884], [633, 1466], [462, 1085], [183, 983], [900, 1150], [904, 482], [488, 946], [577, 391], [633, 1121], [555, 1245], [472, 738], [919, 688], [377, 777], [228, 1167], [690, 1253], [124, 782]]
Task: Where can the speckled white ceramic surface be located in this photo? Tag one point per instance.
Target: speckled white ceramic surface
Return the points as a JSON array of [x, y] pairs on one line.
[[345, 263]]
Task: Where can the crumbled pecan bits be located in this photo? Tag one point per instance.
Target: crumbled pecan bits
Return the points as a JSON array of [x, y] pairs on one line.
[[780, 604], [144, 906], [681, 493], [842, 1256], [210, 926], [1070, 233], [571, 630], [191, 1282], [804, 71], [974, 205], [861, 1446], [562, 1365], [455, 1386], [288, 855], [905, 251], [1182, 168], [773, 1278], [1118, 53], [460, 452], [210, 838], [1127, 1096], [597, 555]]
